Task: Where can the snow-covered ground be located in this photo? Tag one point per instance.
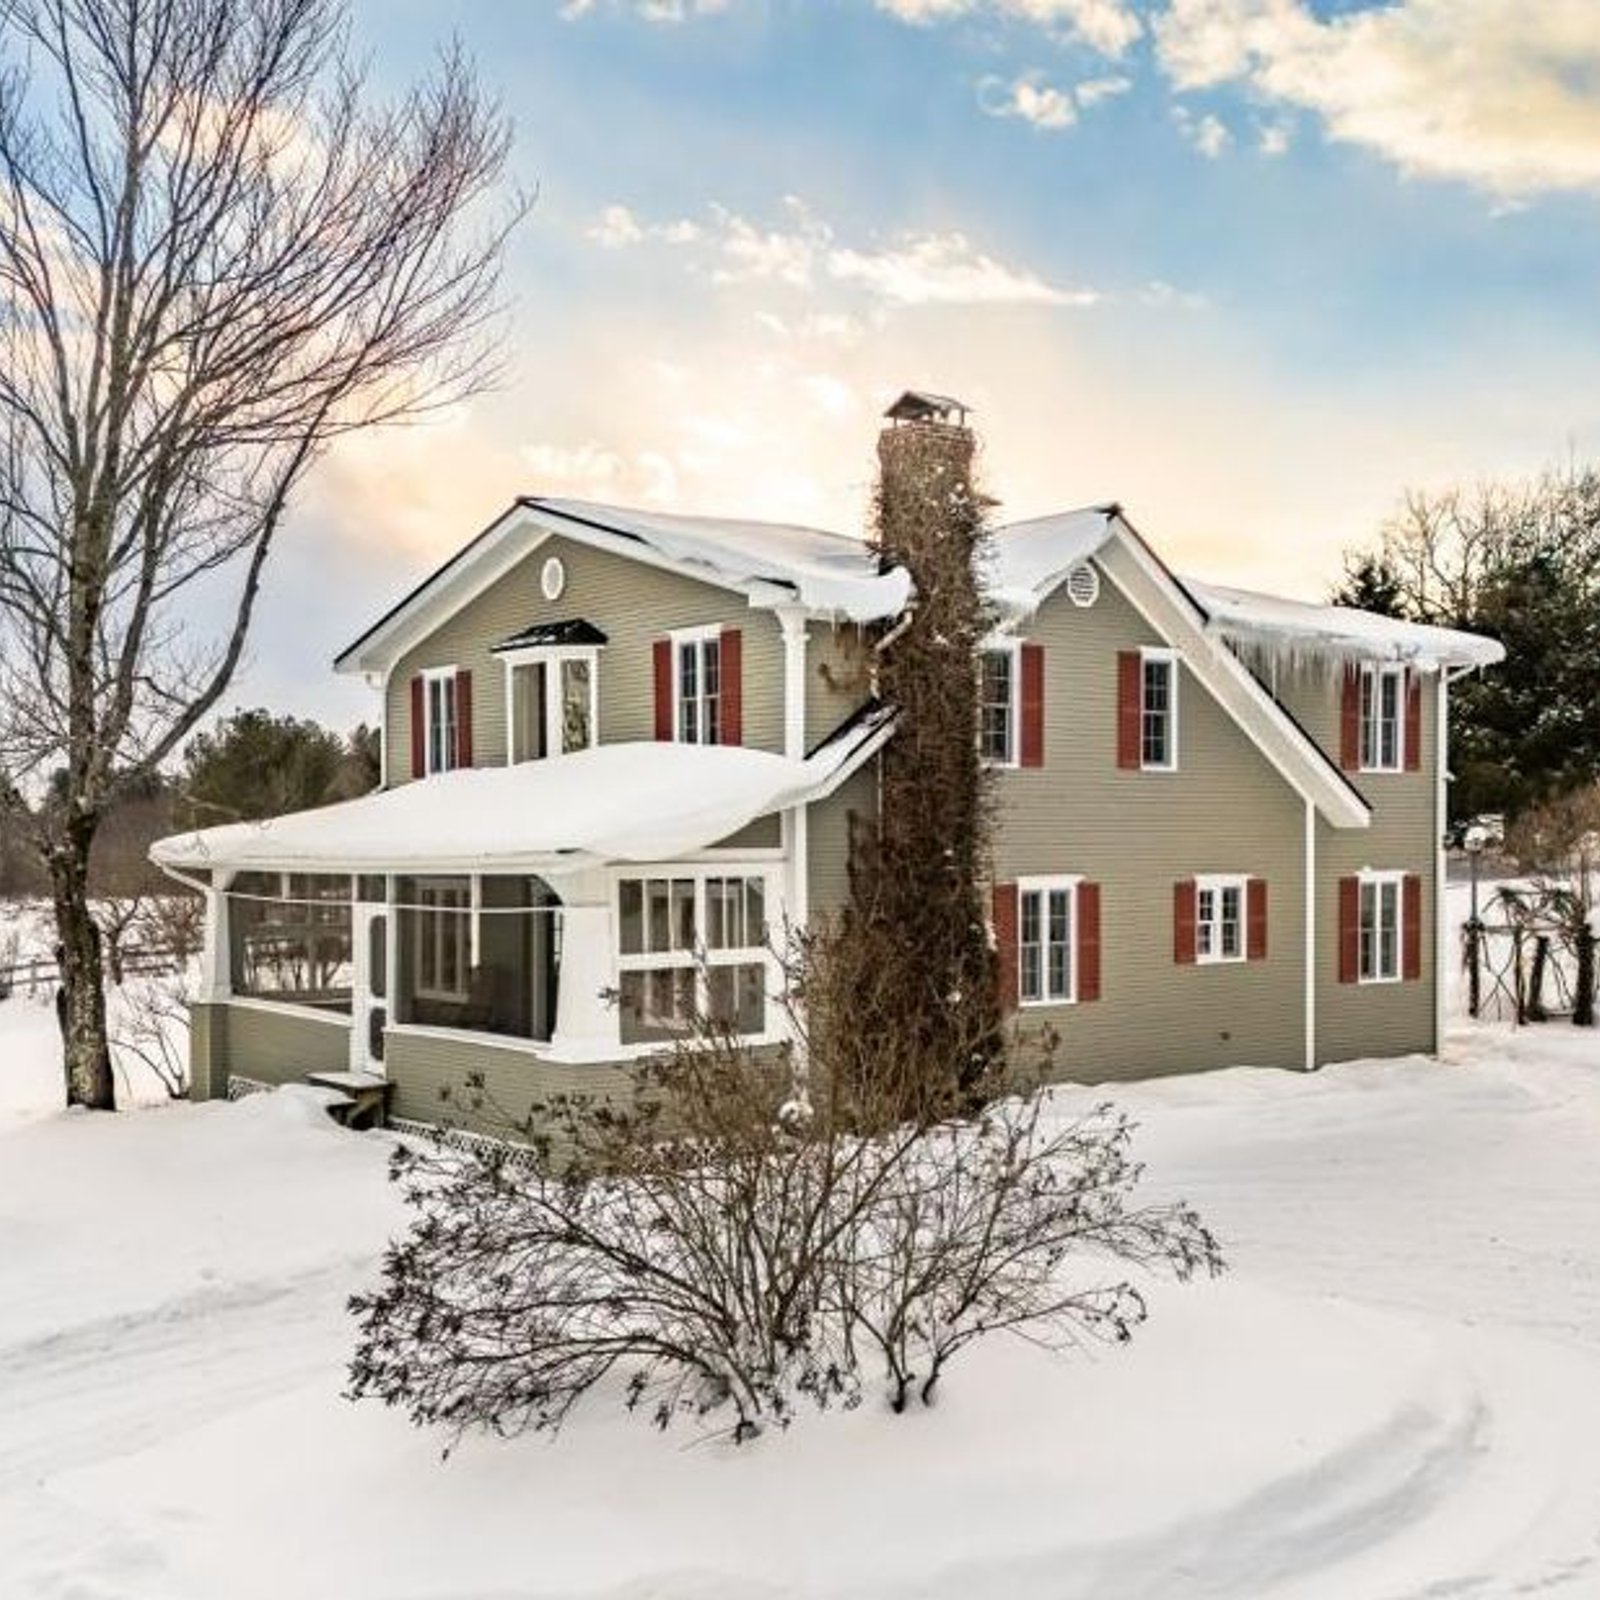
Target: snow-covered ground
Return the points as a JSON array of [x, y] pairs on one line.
[[1395, 1394]]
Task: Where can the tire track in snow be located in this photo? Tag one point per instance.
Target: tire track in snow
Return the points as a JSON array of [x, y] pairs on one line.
[[114, 1385]]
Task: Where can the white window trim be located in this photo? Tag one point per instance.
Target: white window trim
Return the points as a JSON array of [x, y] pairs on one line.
[[701, 957], [1214, 883], [1376, 876], [1172, 657], [1371, 672], [550, 657], [678, 637], [1069, 881], [430, 676], [1013, 648]]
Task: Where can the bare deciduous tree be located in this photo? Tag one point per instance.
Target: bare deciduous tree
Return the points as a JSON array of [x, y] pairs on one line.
[[217, 255]]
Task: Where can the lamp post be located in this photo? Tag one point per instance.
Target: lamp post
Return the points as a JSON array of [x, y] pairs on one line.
[[1474, 840]]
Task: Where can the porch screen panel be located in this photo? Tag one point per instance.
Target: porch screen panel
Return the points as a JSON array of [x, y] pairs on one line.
[[289, 937]]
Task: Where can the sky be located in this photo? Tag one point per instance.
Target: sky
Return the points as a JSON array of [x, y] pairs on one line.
[[1252, 268]]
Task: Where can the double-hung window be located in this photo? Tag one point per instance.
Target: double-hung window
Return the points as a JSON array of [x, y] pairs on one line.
[[692, 945], [1047, 923], [997, 705], [1219, 931], [1382, 718], [439, 708], [697, 687], [1158, 710], [1380, 927]]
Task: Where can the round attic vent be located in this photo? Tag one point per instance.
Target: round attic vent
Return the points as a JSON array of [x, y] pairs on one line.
[[553, 578], [1083, 585]]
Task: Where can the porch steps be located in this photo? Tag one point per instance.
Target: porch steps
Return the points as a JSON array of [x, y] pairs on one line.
[[363, 1097]]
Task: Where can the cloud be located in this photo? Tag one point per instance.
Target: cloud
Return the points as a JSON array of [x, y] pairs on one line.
[[946, 269], [1031, 98], [1109, 26], [1208, 133], [805, 253], [667, 11], [1502, 94], [1273, 138]]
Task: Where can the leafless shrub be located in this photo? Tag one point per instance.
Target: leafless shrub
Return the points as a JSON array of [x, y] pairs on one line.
[[724, 1242], [151, 1028]]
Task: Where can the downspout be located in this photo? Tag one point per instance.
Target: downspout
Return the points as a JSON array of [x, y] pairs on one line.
[[797, 820], [1441, 912], [1311, 938]]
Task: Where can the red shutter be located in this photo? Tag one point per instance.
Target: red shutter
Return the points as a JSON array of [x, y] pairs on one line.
[[463, 719], [663, 660], [1350, 721], [730, 665], [1256, 919], [1130, 703], [1349, 930], [1413, 722], [1185, 902], [1005, 943], [1088, 941], [1411, 928], [419, 727], [1031, 753]]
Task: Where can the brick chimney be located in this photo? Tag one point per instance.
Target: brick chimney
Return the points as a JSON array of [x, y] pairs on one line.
[[925, 456]]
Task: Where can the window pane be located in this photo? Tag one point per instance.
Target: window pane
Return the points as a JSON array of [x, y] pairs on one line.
[[631, 896], [658, 914], [655, 1006], [1030, 956], [1230, 922], [724, 914], [738, 997], [1156, 720], [755, 912], [711, 676], [576, 732], [683, 928], [378, 957], [995, 689], [1060, 944]]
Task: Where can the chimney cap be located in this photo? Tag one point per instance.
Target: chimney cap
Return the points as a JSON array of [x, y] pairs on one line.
[[917, 405]]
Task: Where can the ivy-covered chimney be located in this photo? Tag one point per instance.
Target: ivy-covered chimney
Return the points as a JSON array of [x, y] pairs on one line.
[[926, 969]]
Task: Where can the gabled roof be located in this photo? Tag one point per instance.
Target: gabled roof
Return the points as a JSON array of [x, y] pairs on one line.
[[770, 564], [545, 635], [1032, 559]]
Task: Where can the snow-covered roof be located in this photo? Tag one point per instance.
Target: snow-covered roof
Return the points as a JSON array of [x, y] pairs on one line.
[[828, 572], [1027, 560], [1265, 621], [1030, 559], [615, 802], [770, 563]]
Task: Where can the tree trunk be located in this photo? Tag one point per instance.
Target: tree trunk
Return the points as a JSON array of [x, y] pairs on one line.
[[1583, 1003], [81, 1002]]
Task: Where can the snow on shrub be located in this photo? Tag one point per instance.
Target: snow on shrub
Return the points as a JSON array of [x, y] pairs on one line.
[[719, 1247]]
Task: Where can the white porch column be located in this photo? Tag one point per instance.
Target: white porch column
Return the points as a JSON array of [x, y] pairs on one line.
[[216, 974], [796, 821], [586, 1018]]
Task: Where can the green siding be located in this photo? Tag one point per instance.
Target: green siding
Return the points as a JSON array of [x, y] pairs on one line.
[[828, 875], [433, 1076], [1137, 834], [254, 1042], [633, 604], [837, 677], [1372, 1019]]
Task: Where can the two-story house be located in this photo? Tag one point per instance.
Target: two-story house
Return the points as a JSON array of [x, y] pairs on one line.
[[621, 753]]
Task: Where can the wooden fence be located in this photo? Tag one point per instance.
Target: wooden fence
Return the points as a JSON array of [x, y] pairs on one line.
[[31, 976]]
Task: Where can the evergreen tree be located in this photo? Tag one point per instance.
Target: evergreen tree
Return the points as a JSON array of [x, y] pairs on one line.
[[256, 765], [1370, 584]]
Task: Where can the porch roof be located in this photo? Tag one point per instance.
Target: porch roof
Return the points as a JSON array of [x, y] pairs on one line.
[[617, 802]]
